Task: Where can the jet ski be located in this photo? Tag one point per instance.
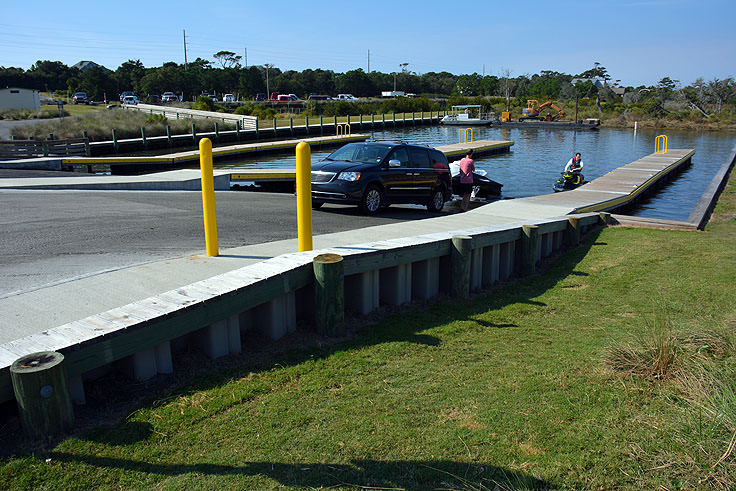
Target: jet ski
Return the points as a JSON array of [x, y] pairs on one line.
[[568, 181], [483, 187]]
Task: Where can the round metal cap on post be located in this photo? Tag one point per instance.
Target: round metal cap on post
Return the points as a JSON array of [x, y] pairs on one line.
[[208, 197], [304, 196]]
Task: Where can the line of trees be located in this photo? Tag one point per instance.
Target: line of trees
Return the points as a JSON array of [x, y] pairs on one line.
[[231, 77]]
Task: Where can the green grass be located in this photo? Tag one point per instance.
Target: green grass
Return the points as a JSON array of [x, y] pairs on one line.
[[77, 109], [510, 389]]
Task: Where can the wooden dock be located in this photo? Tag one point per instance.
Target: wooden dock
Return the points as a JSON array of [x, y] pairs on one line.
[[480, 147], [218, 153], [618, 188]]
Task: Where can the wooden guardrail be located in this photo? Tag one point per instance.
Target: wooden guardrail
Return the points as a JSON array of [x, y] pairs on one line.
[[24, 149], [246, 122], [269, 296]]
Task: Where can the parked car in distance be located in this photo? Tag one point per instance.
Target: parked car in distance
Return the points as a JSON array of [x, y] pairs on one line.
[[346, 97], [130, 100], [287, 98], [154, 99], [318, 97], [80, 98], [376, 174], [126, 94], [228, 98], [169, 97], [260, 96]]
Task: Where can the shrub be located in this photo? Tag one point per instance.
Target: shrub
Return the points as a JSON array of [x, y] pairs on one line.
[[203, 104], [245, 110]]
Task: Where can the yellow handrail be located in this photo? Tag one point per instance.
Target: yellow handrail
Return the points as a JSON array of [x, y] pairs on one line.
[[462, 136], [660, 144], [344, 129]]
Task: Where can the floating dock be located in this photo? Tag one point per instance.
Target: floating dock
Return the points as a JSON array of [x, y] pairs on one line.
[[565, 125], [180, 159]]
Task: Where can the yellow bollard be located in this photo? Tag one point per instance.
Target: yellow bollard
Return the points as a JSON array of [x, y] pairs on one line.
[[304, 196], [208, 197]]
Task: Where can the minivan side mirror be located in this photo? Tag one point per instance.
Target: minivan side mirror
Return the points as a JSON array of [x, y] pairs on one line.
[[394, 163]]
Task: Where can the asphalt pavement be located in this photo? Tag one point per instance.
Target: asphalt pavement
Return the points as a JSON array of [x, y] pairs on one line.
[[52, 237]]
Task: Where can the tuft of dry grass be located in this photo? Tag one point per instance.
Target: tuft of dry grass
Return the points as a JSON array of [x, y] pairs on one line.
[[652, 354]]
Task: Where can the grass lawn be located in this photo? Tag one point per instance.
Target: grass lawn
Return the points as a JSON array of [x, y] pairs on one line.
[[507, 390], [77, 109]]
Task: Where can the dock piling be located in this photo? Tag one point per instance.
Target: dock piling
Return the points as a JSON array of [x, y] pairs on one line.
[[329, 299]]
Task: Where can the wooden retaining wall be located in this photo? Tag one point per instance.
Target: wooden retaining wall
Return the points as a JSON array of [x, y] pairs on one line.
[[271, 295]]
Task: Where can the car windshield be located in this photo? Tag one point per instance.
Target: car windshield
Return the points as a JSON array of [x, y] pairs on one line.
[[360, 152]]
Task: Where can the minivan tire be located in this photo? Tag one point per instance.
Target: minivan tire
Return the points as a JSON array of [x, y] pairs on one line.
[[437, 200], [372, 200]]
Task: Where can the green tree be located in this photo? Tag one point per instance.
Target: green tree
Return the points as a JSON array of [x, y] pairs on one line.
[[227, 59]]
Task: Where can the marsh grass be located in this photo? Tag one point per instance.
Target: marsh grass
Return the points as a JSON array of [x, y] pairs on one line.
[[99, 125]]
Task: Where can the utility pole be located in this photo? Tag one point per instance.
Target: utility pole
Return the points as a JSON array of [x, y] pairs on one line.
[[268, 93], [245, 52], [185, 49], [484, 69], [369, 61]]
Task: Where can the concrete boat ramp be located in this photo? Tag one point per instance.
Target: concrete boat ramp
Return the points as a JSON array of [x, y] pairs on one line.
[[189, 179], [269, 276]]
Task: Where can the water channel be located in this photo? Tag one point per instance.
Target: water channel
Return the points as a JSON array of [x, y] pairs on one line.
[[538, 155]]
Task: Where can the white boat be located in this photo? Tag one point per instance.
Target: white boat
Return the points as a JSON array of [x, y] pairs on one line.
[[467, 115]]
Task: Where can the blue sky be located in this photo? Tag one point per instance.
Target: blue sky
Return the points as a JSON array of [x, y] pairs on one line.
[[638, 41]]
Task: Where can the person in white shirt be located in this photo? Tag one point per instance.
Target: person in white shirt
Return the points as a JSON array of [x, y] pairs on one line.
[[575, 164]]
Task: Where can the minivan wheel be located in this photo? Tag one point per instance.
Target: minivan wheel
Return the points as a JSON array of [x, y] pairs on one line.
[[437, 201], [372, 200]]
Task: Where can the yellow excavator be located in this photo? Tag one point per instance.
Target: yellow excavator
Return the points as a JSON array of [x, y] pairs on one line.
[[533, 110]]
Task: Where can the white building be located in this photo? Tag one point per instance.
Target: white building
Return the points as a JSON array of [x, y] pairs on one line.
[[16, 98]]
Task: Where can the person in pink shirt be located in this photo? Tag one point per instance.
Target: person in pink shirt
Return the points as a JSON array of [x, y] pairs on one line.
[[467, 167]]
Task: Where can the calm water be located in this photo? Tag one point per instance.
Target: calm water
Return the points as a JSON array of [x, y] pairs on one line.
[[538, 155]]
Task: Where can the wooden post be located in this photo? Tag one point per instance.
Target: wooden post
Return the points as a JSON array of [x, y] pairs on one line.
[[460, 257], [115, 140], [361, 121], [529, 244], [87, 151], [329, 301], [41, 389], [194, 133], [237, 131], [51, 136], [605, 218], [334, 122], [143, 137], [217, 132], [321, 126], [45, 148], [306, 124], [274, 127], [291, 126], [572, 234], [168, 135]]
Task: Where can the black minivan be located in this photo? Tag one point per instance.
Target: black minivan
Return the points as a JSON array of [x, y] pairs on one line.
[[376, 174]]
